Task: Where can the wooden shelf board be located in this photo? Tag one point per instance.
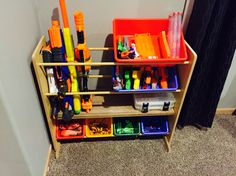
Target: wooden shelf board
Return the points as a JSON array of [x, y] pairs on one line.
[[106, 63], [119, 111], [109, 92]]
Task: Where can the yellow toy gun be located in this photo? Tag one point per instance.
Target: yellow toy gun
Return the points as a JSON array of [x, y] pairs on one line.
[[70, 56]]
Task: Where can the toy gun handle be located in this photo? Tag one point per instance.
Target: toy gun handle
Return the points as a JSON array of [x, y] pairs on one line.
[[47, 54], [163, 82]]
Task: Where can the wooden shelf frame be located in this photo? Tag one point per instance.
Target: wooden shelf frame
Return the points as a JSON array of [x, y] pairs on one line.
[[106, 63], [99, 110], [110, 92]]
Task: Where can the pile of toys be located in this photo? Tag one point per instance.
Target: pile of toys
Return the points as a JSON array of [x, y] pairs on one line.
[[125, 128], [148, 46], [71, 129], [141, 78], [62, 79], [99, 127]]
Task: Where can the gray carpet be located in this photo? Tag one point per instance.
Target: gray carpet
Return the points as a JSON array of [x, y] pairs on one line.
[[193, 153]]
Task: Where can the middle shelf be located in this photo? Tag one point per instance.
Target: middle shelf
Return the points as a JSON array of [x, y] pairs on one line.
[[112, 92], [105, 106]]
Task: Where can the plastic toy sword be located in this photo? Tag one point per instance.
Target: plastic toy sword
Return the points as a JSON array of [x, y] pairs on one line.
[[70, 56]]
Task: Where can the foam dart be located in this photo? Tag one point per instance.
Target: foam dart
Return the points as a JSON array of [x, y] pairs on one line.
[[70, 56], [165, 50]]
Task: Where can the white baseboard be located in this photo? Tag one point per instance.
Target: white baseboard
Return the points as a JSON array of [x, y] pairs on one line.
[[224, 111], [46, 169]]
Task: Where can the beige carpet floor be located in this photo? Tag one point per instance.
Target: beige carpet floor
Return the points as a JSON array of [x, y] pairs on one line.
[[193, 153]]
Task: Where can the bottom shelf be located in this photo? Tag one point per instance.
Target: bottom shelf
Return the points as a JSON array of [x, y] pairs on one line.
[[109, 127]]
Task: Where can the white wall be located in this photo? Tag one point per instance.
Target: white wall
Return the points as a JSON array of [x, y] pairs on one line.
[[11, 155], [99, 14], [228, 95], [23, 134]]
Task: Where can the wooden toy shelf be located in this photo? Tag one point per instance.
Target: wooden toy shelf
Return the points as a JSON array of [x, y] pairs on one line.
[[111, 103]]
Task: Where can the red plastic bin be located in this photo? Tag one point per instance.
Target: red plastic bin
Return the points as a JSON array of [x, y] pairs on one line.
[[58, 130], [128, 27]]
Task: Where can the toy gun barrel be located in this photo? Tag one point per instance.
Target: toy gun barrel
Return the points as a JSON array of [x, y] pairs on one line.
[[79, 24], [64, 13]]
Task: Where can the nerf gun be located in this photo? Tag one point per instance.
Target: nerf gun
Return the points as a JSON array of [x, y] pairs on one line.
[[70, 57], [62, 74], [84, 56], [146, 77]]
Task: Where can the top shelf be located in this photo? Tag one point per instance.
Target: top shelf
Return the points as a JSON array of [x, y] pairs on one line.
[[107, 63]]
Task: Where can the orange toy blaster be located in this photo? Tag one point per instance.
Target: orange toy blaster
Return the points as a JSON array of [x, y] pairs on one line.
[[84, 56]]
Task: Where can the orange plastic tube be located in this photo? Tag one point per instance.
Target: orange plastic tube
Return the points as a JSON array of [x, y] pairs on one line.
[[165, 50], [64, 13]]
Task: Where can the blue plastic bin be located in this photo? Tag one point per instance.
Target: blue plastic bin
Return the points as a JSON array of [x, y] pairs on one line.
[[154, 125], [172, 82]]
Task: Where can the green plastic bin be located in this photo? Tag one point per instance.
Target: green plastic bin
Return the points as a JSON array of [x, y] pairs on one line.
[[126, 126]]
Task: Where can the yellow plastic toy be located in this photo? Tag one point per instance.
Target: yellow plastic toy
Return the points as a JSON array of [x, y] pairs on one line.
[[136, 77]]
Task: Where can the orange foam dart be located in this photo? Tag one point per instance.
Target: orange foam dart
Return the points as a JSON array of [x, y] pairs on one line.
[[165, 50], [55, 35], [64, 13]]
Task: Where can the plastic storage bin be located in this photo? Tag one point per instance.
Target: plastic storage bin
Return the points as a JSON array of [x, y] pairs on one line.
[[99, 127], [162, 101], [171, 80], [126, 126], [154, 125], [73, 130], [127, 27]]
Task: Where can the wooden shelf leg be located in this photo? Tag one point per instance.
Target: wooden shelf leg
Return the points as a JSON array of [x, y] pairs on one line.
[[167, 144]]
